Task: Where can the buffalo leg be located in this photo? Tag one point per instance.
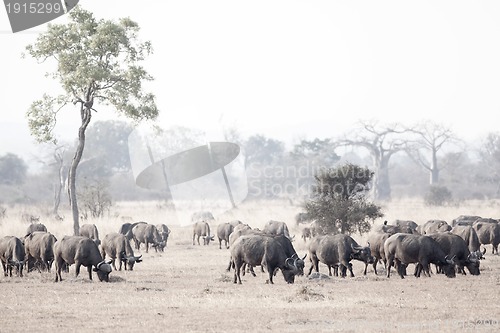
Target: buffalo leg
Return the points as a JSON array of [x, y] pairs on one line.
[[375, 262], [89, 269], [77, 268]]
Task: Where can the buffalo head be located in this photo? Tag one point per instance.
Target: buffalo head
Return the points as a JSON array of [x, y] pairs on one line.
[[103, 269]]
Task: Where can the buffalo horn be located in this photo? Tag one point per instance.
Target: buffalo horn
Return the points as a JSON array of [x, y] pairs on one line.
[[288, 264]]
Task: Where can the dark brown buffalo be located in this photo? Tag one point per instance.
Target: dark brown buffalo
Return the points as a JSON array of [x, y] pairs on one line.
[[267, 251], [334, 250], [464, 220], [164, 232], [277, 228], [90, 231], [80, 251], [202, 229], [39, 249], [433, 226], [488, 232], [403, 249], [224, 230], [116, 245], [469, 235], [146, 233], [35, 227], [12, 254], [455, 247]]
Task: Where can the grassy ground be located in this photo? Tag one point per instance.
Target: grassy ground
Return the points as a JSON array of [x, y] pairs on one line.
[[187, 289]]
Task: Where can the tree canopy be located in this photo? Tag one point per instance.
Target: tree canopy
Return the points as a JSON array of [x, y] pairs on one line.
[[338, 200], [98, 63]]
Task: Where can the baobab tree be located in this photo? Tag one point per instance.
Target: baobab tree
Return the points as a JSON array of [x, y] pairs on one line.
[[430, 139], [98, 63], [382, 142]]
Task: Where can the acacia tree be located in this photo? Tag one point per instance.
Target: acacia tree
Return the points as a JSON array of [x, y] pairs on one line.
[[98, 63], [382, 142], [338, 201]]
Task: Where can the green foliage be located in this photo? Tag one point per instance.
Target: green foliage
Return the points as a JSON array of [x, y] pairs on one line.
[[338, 201], [13, 170], [438, 196], [97, 61]]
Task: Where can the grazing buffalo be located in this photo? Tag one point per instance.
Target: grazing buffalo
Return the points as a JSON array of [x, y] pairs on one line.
[[202, 229], [12, 254], [90, 231], [267, 251], [455, 247], [403, 249], [393, 229], [116, 245], [146, 233], [277, 228], [333, 250], [164, 233], [224, 230], [126, 229], [376, 242], [38, 247], [469, 235], [80, 251], [35, 227], [433, 226], [464, 220], [488, 233]]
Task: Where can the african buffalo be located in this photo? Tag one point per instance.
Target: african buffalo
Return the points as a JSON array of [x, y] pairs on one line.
[[164, 233], [146, 233], [39, 249], [35, 227], [116, 245], [267, 251], [406, 226], [126, 229], [90, 231], [333, 250], [403, 249], [455, 247], [464, 220], [80, 251], [12, 254], [433, 226], [469, 235], [202, 229], [277, 228], [224, 230], [488, 233]]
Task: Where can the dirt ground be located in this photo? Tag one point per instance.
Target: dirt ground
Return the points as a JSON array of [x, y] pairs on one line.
[[187, 289]]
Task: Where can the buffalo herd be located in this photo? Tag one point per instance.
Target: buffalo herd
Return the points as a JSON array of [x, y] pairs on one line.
[[452, 248]]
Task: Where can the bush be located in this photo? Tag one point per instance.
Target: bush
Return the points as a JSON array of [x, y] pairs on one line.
[[438, 196]]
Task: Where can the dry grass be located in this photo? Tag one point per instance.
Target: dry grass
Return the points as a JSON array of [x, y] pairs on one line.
[[186, 288]]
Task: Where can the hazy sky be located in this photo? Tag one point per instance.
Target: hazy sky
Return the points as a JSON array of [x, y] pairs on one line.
[[291, 69]]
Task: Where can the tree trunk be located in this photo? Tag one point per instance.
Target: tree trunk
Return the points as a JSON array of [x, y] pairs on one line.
[[60, 185], [86, 115], [434, 169], [381, 179]]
